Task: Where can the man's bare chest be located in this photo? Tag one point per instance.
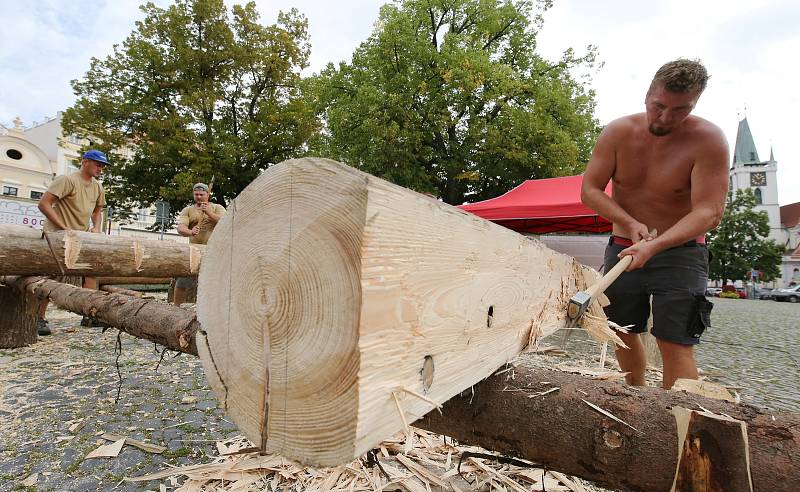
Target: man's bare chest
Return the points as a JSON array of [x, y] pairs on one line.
[[664, 171]]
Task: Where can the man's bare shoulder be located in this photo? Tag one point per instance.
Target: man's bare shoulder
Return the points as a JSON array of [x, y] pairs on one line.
[[623, 127], [706, 131]]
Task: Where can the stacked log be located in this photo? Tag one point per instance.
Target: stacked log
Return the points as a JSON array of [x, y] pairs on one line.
[[25, 251]]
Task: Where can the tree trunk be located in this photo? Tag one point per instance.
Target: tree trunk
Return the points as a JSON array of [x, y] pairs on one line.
[[23, 251], [327, 292], [18, 313], [561, 431], [149, 319]]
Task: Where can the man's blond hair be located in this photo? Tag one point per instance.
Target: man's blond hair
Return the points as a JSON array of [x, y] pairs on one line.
[[681, 75]]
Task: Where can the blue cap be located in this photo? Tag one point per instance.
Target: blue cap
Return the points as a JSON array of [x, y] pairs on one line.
[[96, 155]]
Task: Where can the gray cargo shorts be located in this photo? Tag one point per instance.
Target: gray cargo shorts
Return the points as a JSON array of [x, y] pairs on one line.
[[676, 278]]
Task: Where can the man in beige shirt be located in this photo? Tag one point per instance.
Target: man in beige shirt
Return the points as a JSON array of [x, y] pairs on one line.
[[196, 222], [69, 203]]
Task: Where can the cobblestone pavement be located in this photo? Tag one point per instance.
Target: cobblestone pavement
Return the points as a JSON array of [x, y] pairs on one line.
[[71, 377]]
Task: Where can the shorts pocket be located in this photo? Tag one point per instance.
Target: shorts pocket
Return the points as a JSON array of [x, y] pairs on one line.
[[701, 318]]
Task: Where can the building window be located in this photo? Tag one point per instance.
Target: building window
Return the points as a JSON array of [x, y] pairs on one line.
[[14, 154], [37, 195], [759, 199], [10, 191], [752, 156]]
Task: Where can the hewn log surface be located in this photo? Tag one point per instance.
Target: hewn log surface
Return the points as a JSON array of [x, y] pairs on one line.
[[152, 320], [17, 318], [23, 251], [560, 430], [331, 297]]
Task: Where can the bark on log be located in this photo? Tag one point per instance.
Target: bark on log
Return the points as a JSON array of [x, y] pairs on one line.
[[325, 292], [149, 319], [23, 251], [561, 431], [119, 290], [17, 318]]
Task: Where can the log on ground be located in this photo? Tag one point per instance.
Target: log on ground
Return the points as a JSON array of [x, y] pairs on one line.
[[23, 251], [149, 319], [18, 313], [326, 292], [560, 430], [133, 280]]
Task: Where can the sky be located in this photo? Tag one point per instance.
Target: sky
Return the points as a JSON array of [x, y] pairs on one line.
[[749, 48]]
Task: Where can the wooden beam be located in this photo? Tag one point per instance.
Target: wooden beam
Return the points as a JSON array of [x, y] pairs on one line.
[[24, 251], [326, 292]]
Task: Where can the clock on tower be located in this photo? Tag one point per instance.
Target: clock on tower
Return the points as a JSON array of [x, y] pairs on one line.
[[758, 179]]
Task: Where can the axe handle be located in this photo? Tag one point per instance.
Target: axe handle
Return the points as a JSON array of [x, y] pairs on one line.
[[601, 285]]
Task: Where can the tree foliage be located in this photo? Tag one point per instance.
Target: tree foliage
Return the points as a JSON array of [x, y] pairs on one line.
[[448, 96], [194, 94], [739, 243]]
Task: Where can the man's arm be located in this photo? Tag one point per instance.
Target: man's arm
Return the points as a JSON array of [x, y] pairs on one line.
[[46, 207], [709, 181], [209, 211], [97, 219], [599, 171]]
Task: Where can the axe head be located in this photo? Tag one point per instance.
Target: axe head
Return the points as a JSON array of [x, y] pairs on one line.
[[578, 305]]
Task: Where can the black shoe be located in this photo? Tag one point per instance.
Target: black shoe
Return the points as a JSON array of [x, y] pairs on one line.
[[42, 327], [91, 322]]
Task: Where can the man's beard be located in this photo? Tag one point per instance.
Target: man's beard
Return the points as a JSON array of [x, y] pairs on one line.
[[659, 132]]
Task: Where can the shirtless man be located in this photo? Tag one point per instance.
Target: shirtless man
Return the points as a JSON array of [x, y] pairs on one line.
[[669, 172]]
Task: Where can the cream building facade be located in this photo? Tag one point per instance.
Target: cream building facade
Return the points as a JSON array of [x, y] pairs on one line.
[[30, 158]]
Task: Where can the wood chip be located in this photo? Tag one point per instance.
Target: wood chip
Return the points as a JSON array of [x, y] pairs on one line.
[[144, 446], [30, 481], [609, 415], [108, 450], [77, 427]]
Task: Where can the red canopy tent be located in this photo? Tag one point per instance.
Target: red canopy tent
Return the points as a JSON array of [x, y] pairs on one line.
[[543, 206]]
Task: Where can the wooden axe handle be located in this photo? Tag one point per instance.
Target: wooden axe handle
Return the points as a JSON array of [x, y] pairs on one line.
[[601, 285]]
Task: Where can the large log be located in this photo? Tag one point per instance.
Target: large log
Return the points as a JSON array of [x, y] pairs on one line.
[[562, 431], [327, 294], [23, 251], [504, 414], [149, 319], [134, 280]]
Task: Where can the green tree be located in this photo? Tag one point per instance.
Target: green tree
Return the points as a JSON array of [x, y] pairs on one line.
[[739, 243], [194, 94], [448, 96]]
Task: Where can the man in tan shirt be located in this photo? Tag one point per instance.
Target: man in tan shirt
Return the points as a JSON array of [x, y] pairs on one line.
[[196, 222], [69, 203]]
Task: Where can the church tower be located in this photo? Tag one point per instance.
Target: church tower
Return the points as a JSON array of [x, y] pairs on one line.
[[748, 171]]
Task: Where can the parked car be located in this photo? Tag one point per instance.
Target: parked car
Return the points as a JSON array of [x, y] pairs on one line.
[[791, 294], [763, 293], [713, 291]]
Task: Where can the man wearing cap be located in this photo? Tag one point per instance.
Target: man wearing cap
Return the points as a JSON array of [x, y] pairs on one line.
[[196, 222], [69, 203]]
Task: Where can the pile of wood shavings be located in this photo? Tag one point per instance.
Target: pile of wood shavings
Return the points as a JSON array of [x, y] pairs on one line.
[[421, 462]]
